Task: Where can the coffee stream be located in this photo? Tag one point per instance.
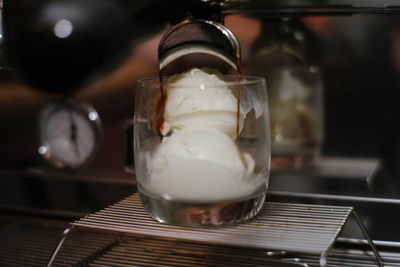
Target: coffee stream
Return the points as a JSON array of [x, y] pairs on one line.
[[158, 115], [238, 94]]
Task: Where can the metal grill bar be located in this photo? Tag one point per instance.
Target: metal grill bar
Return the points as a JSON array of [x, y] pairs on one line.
[[353, 258], [300, 228], [30, 245], [150, 252], [143, 251], [26, 244]]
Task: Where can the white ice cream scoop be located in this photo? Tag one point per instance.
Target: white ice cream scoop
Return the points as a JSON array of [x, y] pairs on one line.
[[201, 99], [200, 165]]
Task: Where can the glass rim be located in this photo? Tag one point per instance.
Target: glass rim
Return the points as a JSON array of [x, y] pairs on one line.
[[230, 80]]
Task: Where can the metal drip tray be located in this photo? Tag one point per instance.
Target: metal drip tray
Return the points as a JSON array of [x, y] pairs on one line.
[[280, 227], [29, 243], [145, 251], [138, 251]]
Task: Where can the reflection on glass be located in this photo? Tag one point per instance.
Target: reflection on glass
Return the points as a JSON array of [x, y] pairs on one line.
[[295, 96], [281, 54]]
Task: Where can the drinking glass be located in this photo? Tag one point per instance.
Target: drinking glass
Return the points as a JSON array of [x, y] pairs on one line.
[[296, 109], [213, 167]]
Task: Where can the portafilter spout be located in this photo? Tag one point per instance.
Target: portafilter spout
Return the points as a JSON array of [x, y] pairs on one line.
[[199, 36]]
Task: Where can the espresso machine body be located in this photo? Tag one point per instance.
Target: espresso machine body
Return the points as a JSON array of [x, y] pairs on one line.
[[94, 51]]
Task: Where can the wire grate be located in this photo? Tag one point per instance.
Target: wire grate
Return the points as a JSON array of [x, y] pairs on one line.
[[28, 244], [298, 228], [145, 251], [301, 229]]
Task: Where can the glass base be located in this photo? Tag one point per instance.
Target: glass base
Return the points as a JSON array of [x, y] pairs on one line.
[[202, 214], [292, 161], [294, 156]]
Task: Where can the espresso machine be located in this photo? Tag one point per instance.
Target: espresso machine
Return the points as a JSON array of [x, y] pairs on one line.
[[69, 70]]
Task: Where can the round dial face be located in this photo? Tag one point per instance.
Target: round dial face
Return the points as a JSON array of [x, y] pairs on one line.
[[70, 134]]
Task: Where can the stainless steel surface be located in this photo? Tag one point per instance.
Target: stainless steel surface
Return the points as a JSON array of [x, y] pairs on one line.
[[137, 251], [299, 228], [338, 167], [379, 215], [198, 36], [60, 244], [134, 251], [28, 242], [368, 238], [263, 7], [353, 258], [353, 46], [279, 226]]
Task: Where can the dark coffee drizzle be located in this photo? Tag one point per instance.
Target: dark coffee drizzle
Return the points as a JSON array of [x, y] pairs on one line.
[[158, 119], [238, 93]]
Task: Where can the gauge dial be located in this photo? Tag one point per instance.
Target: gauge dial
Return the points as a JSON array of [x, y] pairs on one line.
[[70, 134]]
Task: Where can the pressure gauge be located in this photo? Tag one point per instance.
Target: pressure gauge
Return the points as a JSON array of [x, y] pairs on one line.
[[70, 134]]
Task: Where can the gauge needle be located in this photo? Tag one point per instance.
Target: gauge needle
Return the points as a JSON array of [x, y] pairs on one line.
[[74, 132]]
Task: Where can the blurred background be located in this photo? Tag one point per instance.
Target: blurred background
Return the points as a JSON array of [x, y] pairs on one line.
[[339, 137]]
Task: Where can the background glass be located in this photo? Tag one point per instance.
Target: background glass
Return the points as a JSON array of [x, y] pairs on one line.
[[295, 98]]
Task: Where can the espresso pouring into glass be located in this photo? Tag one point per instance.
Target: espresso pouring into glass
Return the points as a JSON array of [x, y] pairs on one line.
[[211, 164]]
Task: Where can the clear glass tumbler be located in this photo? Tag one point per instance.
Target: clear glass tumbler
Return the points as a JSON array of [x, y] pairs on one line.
[[210, 165], [296, 109]]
